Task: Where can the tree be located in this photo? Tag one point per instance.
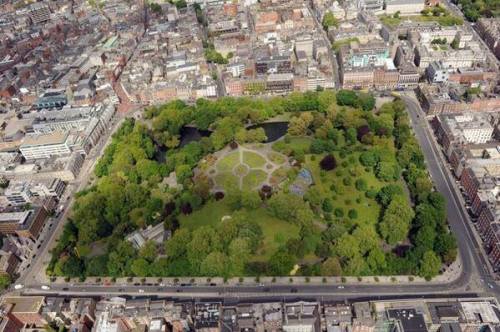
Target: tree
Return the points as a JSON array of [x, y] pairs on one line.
[[204, 241], [239, 254], [299, 126], [140, 267], [347, 246], [355, 265], [429, 265], [366, 101], [281, 263], [214, 265], [387, 171], [4, 281], [369, 158], [329, 20], [367, 238], [250, 200], [148, 251], [328, 162], [396, 220], [176, 246], [376, 260], [120, 259], [361, 184], [327, 205], [347, 98], [446, 247], [331, 267], [352, 214], [387, 192]]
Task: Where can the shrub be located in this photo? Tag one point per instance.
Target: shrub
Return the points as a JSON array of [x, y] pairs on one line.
[[290, 280], [339, 212], [360, 279], [186, 208], [240, 279], [327, 205], [328, 162], [353, 214], [371, 193], [411, 278], [313, 157], [361, 185], [343, 279], [308, 279], [324, 280], [347, 181], [233, 145], [273, 279], [393, 279], [257, 279], [376, 279], [219, 195]]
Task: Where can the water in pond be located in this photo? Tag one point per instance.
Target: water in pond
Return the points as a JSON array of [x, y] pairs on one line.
[[192, 134], [274, 130]]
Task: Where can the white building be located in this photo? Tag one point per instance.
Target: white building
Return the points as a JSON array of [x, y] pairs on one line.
[[46, 146], [404, 7]]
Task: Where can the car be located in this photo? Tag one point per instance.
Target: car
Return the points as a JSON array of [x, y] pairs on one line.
[[136, 284], [340, 287], [213, 284], [294, 290], [45, 287], [141, 290], [490, 286], [18, 286], [65, 289], [178, 290], [121, 290]]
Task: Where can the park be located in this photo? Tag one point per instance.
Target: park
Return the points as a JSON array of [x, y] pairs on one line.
[[343, 190]]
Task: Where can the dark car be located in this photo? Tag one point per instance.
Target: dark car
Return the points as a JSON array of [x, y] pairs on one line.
[[294, 290]]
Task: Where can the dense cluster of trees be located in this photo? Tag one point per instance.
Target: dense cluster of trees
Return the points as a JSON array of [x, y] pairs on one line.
[[475, 9], [130, 193]]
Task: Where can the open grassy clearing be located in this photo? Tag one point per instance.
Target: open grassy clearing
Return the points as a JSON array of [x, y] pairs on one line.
[[276, 231], [227, 163], [253, 179], [253, 160]]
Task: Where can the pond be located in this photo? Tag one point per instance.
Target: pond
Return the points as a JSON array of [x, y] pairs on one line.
[[192, 134], [274, 130]]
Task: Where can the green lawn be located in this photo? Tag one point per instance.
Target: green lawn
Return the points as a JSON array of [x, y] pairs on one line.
[[227, 163], [276, 231], [276, 158], [226, 179], [209, 215], [253, 160], [253, 178], [346, 196], [444, 20]]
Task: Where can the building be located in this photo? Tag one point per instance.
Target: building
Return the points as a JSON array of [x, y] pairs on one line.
[[407, 320], [404, 7], [8, 264], [25, 309], [437, 73], [489, 30], [39, 13], [157, 234], [46, 146], [51, 99], [301, 317], [27, 224]]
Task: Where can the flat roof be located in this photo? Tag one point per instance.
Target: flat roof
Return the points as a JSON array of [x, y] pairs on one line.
[[23, 304], [57, 137]]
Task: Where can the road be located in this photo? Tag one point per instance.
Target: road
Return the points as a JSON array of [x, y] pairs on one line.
[[331, 55], [474, 274], [474, 263]]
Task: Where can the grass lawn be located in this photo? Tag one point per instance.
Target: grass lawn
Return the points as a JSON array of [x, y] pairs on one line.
[[303, 143], [227, 163], [348, 197], [209, 215], [226, 179], [276, 231], [276, 157], [253, 178], [253, 159], [444, 20]]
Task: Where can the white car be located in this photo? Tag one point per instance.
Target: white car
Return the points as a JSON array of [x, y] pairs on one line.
[[45, 287], [340, 287], [141, 290], [18, 286]]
